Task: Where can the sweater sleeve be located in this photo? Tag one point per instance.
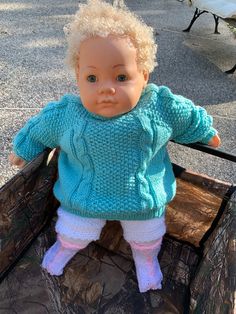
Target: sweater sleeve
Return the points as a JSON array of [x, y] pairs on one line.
[[188, 123], [40, 132]]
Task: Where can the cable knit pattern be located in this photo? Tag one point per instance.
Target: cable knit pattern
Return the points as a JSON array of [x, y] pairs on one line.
[[115, 168]]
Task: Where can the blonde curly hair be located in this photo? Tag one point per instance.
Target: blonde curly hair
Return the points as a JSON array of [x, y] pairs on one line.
[[98, 18]]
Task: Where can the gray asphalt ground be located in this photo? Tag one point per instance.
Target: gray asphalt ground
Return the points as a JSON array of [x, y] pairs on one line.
[[32, 70]]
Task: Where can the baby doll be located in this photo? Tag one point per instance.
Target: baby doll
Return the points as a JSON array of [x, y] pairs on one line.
[[113, 162]]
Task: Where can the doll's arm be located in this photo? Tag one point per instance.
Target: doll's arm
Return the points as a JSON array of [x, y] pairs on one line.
[[186, 122], [189, 123], [39, 132]]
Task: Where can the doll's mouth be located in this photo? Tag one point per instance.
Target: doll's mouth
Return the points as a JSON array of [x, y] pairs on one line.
[[106, 102]]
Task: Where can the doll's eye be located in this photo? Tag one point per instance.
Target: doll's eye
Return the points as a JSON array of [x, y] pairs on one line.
[[121, 78], [92, 78]]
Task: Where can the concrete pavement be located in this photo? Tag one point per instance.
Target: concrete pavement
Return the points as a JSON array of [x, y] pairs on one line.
[[32, 70]]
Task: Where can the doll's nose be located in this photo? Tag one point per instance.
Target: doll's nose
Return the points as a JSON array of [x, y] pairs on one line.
[[107, 88]]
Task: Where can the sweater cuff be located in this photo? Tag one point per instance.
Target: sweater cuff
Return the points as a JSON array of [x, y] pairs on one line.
[[209, 136]]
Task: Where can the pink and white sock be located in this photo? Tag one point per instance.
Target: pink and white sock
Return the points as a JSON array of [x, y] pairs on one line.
[[56, 258], [148, 270]]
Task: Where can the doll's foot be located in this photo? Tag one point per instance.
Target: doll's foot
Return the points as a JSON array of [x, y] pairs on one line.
[[56, 258], [149, 276], [148, 270]]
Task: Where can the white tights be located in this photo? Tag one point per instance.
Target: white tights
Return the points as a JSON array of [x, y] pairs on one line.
[[75, 233]]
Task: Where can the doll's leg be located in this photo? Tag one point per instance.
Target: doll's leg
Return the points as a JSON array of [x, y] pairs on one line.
[[148, 270], [145, 238], [74, 234]]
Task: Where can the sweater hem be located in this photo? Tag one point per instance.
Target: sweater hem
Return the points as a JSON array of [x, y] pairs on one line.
[[154, 213]]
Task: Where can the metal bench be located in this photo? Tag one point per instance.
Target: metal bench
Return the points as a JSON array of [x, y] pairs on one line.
[[203, 7]]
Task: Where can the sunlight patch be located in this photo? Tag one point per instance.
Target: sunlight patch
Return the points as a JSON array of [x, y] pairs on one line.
[[15, 6], [49, 42]]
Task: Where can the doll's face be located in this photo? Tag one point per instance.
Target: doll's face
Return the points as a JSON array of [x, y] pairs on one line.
[[108, 77]]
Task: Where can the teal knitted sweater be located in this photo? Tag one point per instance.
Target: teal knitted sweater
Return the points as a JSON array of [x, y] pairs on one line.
[[115, 168]]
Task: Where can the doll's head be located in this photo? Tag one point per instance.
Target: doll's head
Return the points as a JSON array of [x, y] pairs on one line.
[[112, 53]]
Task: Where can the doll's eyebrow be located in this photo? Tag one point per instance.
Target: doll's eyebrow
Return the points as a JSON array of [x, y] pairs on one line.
[[90, 66], [93, 67], [118, 65]]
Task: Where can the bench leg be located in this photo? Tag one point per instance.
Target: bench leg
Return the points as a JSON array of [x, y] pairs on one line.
[[196, 15], [216, 18], [231, 71]]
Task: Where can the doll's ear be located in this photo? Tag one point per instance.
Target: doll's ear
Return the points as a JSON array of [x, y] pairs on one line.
[[77, 74], [146, 77]]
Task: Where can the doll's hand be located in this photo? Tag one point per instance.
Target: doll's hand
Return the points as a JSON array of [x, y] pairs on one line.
[[215, 141], [16, 161]]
